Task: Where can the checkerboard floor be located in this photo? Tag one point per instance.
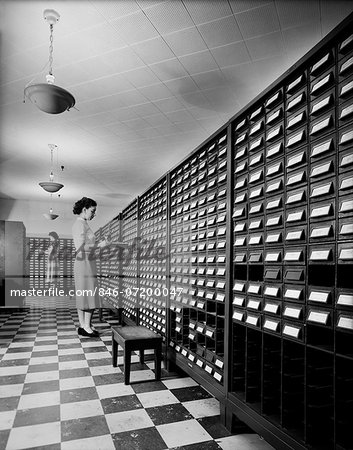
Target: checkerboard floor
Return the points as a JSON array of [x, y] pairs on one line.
[[59, 391]]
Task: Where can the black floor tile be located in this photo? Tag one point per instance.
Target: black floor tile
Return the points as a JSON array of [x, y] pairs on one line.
[[148, 386], [12, 379], [83, 428], [99, 349], [143, 439], [188, 394], [19, 350], [168, 414], [109, 378], [36, 416], [68, 346], [78, 395], [99, 362], [74, 373], [40, 343], [74, 357], [9, 403], [4, 437], [43, 367], [208, 445], [39, 354], [214, 427], [119, 404], [42, 386], [14, 362]]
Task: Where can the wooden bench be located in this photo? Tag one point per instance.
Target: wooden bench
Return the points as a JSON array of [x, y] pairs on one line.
[[136, 338]]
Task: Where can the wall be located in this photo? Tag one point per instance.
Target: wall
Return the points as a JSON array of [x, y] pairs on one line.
[[31, 214]]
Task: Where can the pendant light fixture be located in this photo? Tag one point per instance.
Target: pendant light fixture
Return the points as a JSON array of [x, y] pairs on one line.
[[51, 186], [50, 215], [48, 97]]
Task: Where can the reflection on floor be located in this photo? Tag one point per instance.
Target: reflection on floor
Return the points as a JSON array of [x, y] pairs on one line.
[[59, 391]]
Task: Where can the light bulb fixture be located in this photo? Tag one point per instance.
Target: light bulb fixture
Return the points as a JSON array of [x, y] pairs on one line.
[[50, 215], [51, 186], [48, 97]]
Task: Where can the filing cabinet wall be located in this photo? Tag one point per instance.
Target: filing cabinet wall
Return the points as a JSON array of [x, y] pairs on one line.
[[257, 225]]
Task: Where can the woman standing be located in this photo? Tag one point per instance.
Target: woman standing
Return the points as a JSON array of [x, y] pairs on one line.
[[85, 270], [52, 271]]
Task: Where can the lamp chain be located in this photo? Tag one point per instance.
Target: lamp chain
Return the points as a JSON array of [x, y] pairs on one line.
[[51, 51]]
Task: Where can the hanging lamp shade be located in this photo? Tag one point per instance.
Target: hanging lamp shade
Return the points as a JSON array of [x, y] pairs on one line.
[[50, 215], [49, 97], [51, 186]]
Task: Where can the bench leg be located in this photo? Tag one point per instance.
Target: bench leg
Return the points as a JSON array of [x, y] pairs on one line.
[[142, 356], [157, 361], [114, 352], [127, 364]]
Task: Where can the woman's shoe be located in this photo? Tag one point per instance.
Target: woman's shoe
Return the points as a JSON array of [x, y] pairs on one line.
[[83, 332]]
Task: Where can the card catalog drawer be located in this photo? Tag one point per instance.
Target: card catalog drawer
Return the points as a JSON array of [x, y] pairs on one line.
[[293, 331], [322, 104], [322, 231], [345, 89], [322, 126], [272, 307], [322, 148], [295, 274], [294, 255], [345, 253], [273, 238], [271, 324], [345, 114], [344, 322], [345, 162], [294, 293], [255, 256], [322, 211], [274, 99], [345, 228], [273, 274], [345, 206], [295, 216], [274, 116], [321, 254], [296, 101], [296, 197], [296, 139], [296, 84], [319, 316], [344, 299], [273, 256], [345, 46], [345, 66], [253, 320], [296, 234], [345, 137], [322, 190], [275, 150], [320, 295], [293, 311], [322, 83], [322, 64], [345, 183]]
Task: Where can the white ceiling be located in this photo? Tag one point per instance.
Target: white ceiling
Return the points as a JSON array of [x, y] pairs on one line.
[[152, 80]]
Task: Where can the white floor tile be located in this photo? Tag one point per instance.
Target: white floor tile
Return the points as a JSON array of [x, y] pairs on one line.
[[175, 383], [67, 365], [244, 442], [21, 344], [98, 355], [20, 355], [141, 375], [11, 390], [157, 398], [6, 419], [128, 420], [183, 433], [36, 400], [114, 390], [45, 348], [70, 351], [76, 383], [43, 360], [34, 436], [36, 377], [78, 410], [92, 344], [203, 408], [97, 443], [69, 341], [16, 370], [104, 370]]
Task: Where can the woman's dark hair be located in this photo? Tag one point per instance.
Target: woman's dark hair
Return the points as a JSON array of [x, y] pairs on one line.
[[54, 234], [85, 202]]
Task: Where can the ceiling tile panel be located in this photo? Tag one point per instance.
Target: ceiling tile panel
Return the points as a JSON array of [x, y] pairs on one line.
[[198, 62], [142, 76], [194, 99], [145, 110], [182, 85], [230, 55], [153, 51], [203, 11], [185, 42], [134, 28], [220, 32], [207, 80], [169, 70], [169, 105], [124, 113], [157, 120], [258, 21], [299, 40], [297, 12], [113, 9], [179, 116], [155, 92], [333, 12], [122, 60], [169, 16], [266, 46], [244, 5]]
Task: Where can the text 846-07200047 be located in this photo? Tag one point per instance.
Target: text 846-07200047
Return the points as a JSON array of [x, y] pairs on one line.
[[142, 292]]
